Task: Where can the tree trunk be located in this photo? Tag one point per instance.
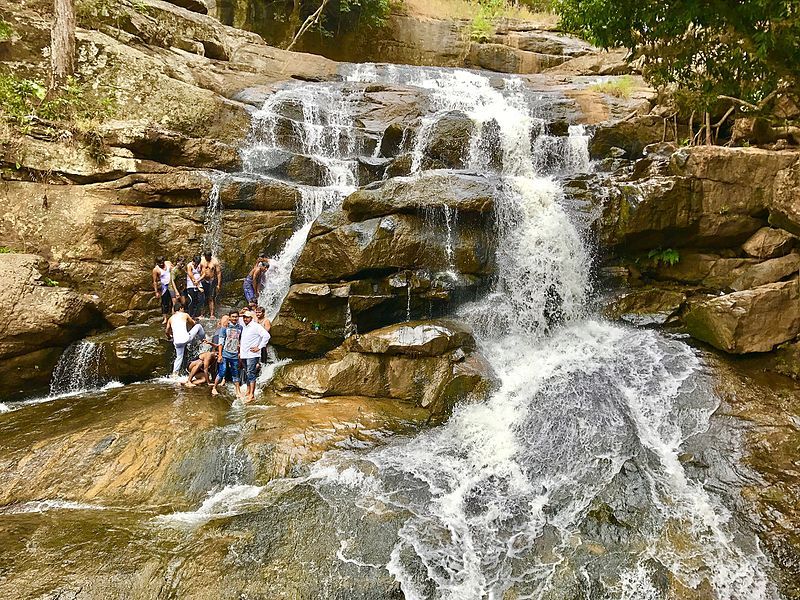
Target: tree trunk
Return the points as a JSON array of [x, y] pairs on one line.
[[62, 42]]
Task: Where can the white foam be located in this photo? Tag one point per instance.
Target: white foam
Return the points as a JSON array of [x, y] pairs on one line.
[[39, 506], [229, 501]]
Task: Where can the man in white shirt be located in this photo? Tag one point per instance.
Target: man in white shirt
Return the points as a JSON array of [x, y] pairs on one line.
[[182, 329], [254, 338]]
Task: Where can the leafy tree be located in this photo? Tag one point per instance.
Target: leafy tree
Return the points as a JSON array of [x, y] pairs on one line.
[[742, 49]]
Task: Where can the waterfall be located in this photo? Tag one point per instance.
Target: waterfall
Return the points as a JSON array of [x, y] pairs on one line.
[[506, 500], [316, 122], [212, 218], [80, 368]]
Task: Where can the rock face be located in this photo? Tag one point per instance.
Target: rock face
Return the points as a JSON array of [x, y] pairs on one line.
[[430, 364], [648, 306], [701, 197], [38, 322], [404, 247], [754, 320], [134, 353], [769, 243]]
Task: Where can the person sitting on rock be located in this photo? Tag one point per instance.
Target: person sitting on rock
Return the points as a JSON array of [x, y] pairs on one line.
[[162, 282], [228, 353], [182, 329], [211, 280], [203, 369]]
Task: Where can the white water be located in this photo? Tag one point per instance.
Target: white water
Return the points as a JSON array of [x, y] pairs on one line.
[[80, 368], [322, 128], [227, 502], [498, 502], [212, 216]]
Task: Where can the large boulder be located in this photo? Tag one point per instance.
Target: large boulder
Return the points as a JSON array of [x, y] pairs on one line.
[[647, 306], [392, 243], [630, 135], [432, 190], [708, 197], [506, 59], [134, 353], [448, 140], [317, 317], [426, 363], [753, 320], [769, 243], [39, 319]]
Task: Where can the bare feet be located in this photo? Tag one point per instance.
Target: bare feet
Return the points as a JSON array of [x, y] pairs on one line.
[[189, 384], [249, 399], [214, 391]]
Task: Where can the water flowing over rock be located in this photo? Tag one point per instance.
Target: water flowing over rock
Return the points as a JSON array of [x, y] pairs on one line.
[[39, 321]]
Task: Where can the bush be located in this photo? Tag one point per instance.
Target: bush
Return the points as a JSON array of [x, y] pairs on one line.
[[620, 87], [21, 100], [6, 31]]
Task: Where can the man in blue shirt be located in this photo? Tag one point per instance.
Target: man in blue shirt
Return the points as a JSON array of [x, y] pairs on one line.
[[228, 353]]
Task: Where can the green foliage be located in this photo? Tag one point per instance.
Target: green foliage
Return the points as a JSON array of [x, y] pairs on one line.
[[666, 256], [487, 13], [6, 250], [6, 31], [49, 282], [745, 49], [620, 87], [21, 100]]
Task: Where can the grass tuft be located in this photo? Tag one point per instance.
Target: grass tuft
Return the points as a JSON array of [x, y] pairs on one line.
[[620, 87]]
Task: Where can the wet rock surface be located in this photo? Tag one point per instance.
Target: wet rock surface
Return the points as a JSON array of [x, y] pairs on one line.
[[39, 319], [429, 364]]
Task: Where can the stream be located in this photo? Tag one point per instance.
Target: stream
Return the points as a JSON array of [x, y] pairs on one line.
[[599, 467]]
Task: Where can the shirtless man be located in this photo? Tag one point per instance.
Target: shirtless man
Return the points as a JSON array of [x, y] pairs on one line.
[[211, 280], [254, 280], [162, 285], [182, 329]]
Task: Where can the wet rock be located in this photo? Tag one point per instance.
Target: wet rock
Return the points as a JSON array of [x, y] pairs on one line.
[[135, 353], [787, 360], [412, 362], [650, 306], [505, 59], [258, 193], [415, 338], [400, 166], [753, 320], [392, 140], [177, 189], [315, 318], [769, 243], [449, 139], [371, 169], [432, 190], [38, 320], [391, 243]]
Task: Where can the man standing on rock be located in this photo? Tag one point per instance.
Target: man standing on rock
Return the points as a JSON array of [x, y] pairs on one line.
[[162, 283], [211, 280], [255, 279], [194, 286], [254, 339], [182, 329], [228, 353]]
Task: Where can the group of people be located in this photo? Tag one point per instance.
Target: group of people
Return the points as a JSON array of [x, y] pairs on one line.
[[198, 290], [240, 338]]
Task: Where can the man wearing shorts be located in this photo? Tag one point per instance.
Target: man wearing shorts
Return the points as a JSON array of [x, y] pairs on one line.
[[254, 338], [211, 280]]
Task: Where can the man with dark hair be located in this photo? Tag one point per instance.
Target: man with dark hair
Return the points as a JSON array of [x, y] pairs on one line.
[[162, 283], [182, 329], [211, 279], [228, 353], [254, 339], [194, 287]]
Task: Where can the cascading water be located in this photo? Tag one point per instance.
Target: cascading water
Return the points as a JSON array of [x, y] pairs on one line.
[[317, 123], [567, 483], [212, 218], [79, 368]]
